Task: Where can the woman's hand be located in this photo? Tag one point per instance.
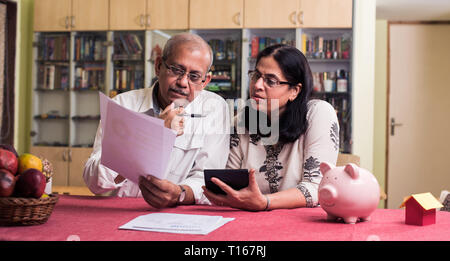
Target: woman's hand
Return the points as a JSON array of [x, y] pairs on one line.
[[249, 198], [172, 120]]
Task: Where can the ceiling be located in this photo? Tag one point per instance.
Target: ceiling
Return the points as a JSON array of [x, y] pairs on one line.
[[413, 10]]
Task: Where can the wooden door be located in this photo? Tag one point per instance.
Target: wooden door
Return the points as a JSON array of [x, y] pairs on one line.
[[326, 13], [90, 15], [78, 158], [127, 15], [167, 14], [58, 157], [52, 15], [216, 14], [271, 14], [419, 95]]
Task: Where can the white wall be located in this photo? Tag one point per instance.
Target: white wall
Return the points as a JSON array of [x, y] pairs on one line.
[[363, 78]]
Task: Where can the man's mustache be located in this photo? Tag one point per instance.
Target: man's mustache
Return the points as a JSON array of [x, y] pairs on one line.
[[178, 91]]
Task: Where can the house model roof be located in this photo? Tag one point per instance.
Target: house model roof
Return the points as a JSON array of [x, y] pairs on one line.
[[426, 200]]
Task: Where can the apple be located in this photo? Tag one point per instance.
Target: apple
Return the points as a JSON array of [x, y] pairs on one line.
[[10, 148], [31, 183], [7, 182], [9, 161]]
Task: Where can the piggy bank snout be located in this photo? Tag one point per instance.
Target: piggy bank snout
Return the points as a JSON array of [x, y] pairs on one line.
[[327, 195]]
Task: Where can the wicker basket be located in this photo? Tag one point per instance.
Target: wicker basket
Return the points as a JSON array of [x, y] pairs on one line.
[[26, 211]]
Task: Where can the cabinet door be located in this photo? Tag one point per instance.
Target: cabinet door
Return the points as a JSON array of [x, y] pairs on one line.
[[271, 14], [326, 13], [167, 14], [88, 15], [78, 158], [58, 157], [52, 15], [215, 14], [127, 15]]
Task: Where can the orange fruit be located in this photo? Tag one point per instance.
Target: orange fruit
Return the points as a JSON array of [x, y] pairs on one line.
[[29, 161]]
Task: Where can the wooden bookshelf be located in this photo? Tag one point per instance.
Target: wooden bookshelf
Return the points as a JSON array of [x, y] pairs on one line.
[[135, 30]]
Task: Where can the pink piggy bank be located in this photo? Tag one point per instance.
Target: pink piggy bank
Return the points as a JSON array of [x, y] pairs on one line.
[[348, 192]]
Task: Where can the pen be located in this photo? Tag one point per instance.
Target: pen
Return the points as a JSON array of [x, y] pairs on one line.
[[192, 115]]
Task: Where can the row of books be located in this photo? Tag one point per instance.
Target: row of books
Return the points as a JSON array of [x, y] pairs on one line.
[[128, 79], [127, 44], [224, 49], [222, 72], [89, 48], [259, 43], [90, 77], [320, 47], [51, 77], [54, 48]]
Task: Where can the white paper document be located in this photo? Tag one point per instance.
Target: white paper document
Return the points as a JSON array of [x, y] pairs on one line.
[[134, 144], [177, 223]]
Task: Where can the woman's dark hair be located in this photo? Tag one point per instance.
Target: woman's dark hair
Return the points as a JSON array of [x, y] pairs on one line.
[[296, 69]]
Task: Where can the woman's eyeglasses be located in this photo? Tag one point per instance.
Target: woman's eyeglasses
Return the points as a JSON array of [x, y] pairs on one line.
[[269, 81]]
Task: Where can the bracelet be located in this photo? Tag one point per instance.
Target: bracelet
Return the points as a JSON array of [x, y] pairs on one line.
[[268, 202]]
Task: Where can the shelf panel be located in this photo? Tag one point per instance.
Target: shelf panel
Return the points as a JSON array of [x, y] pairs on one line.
[[330, 93], [88, 89], [86, 118], [52, 90], [311, 60], [50, 117], [51, 144]]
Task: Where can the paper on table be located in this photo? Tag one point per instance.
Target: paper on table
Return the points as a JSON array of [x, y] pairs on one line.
[[177, 223], [134, 144]]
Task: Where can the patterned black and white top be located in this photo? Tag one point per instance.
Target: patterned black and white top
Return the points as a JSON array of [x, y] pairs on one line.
[[283, 166]]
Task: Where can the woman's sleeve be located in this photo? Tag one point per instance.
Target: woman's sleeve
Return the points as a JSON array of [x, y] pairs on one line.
[[321, 144], [235, 156]]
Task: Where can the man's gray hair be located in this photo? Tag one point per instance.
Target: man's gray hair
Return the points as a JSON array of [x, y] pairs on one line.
[[194, 41]]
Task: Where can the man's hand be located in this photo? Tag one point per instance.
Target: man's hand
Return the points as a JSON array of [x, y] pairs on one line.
[[159, 193], [172, 120]]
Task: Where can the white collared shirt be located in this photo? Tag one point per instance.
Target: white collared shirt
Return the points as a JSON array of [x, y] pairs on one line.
[[204, 145]]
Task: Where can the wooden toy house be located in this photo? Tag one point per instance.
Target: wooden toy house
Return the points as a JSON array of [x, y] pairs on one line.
[[421, 209]]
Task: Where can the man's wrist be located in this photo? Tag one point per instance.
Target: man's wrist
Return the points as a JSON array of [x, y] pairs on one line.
[[189, 198]]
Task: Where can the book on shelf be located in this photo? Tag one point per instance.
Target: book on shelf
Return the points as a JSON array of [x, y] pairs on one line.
[[89, 48], [258, 43], [224, 49], [128, 44], [53, 76], [329, 47], [90, 76], [128, 79], [54, 48]]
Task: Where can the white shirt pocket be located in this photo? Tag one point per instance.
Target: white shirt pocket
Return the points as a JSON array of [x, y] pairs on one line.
[[183, 156]]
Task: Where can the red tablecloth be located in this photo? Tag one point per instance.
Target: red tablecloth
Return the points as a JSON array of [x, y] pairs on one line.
[[99, 218]]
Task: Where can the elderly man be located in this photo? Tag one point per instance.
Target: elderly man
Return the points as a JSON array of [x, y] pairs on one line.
[[202, 142]]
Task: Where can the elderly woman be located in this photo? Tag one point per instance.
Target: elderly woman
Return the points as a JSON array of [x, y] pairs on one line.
[[284, 163]]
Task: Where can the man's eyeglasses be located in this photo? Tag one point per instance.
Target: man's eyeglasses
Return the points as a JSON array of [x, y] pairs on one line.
[[268, 81], [193, 78]]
